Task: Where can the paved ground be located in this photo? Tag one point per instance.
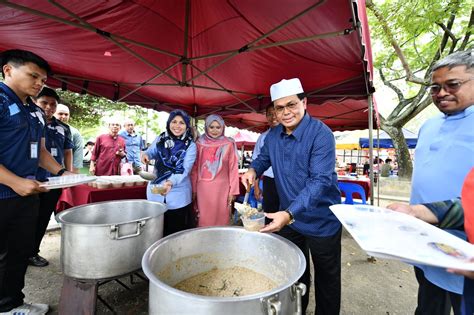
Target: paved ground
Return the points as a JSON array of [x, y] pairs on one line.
[[381, 287]]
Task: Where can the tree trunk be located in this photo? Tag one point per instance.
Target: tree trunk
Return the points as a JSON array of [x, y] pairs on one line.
[[405, 166]]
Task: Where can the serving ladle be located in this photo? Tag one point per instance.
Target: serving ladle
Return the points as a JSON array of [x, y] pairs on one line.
[[147, 176]]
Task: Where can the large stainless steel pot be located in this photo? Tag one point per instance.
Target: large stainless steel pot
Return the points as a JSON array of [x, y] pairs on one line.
[[107, 239], [185, 254]]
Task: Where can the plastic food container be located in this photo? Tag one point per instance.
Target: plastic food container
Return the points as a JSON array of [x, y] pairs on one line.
[[255, 222], [157, 189]]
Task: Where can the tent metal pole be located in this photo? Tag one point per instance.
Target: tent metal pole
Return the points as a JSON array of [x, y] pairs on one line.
[[109, 37], [150, 79], [318, 91], [84, 27], [276, 44], [371, 147], [186, 41], [225, 90], [260, 38], [300, 40]]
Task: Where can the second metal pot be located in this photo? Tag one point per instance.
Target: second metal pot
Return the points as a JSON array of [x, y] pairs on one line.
[[107, 239]]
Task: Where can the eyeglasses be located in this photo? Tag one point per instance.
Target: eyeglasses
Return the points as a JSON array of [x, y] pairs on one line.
[[450, 86], [291, 106]]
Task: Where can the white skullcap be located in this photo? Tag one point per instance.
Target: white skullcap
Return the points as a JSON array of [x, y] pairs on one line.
[[61, 108], [286, 88], [113, 120]]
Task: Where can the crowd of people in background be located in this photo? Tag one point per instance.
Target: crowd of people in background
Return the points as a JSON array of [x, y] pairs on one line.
[[197, 177]]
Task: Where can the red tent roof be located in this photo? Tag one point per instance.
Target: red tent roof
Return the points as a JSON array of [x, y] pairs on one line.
[[202, 56], [243, 138]]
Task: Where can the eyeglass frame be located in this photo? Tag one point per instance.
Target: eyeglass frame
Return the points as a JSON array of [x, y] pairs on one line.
[[445, 86], [291, 107]]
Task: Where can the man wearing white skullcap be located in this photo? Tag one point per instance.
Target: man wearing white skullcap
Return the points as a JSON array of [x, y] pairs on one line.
[[302, 152], [109, 149], [62, 113]]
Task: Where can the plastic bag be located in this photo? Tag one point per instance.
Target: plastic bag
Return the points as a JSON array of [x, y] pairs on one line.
[[126, 169]]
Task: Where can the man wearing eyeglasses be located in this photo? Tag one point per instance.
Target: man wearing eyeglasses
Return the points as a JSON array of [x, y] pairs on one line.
[[443, 157], [302, 153]]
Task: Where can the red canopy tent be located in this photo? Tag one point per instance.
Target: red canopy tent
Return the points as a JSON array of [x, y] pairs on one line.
[[245, 140], [203, 56]]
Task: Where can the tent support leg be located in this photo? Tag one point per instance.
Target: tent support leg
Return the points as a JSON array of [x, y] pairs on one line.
[[371, 147]]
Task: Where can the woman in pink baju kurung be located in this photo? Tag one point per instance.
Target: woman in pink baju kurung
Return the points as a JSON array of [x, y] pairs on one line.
[[215, 175]]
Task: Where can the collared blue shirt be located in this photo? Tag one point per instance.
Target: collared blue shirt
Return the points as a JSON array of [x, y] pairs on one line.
[[134, 145], [256, 152], [57, 139], [20, 125], [180, 194], [444, 155], [303, 164]]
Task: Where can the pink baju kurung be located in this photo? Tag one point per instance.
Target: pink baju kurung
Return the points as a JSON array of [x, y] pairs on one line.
[[215, 176]]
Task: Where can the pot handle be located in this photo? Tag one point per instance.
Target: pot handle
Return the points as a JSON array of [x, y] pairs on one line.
[[115, 230], [299, 290], [273, 305]]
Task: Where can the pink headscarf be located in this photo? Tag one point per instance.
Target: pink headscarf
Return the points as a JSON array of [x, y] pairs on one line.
[[209, 120], [213, 150]]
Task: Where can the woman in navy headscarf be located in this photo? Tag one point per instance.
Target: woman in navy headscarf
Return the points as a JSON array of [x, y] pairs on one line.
[[174, 152]]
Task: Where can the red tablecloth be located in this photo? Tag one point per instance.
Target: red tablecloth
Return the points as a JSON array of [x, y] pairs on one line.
[[364, 183], [84, 194]]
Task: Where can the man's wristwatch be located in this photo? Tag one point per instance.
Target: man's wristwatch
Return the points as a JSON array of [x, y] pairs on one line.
[[61, 172], [292, 218]]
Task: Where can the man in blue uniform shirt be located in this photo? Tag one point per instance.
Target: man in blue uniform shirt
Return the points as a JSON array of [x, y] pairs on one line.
[[301, 151], [22, 150], [58, 141]]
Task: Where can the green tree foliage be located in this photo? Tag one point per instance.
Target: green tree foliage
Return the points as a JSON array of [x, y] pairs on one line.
[[88, 113], [86, 110], [413, 35]]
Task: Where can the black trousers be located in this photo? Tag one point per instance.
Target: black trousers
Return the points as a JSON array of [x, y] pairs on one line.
[[433, 300], [271, 201], [48, 201], [176, 220], [326, 256], [18, 219]]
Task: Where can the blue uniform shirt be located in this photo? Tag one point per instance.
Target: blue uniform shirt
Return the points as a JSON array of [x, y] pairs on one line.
[[303, 164], [20, 127], [57, 139], [133, 144]]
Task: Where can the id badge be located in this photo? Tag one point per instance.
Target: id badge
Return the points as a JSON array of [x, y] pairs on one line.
[[54, 152], [33, 150]]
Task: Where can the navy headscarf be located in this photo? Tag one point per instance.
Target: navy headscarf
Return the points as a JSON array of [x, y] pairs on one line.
[[172, 149]]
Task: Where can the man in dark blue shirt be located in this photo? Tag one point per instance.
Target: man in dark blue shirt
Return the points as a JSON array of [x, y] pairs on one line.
[[22, 150], [301, 151], [58, 141]]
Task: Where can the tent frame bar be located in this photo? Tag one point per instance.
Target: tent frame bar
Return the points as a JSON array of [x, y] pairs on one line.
[[262, 37]]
